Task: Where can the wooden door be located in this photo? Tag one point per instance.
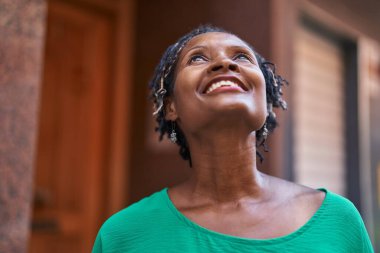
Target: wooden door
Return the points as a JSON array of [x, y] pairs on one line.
[[70, 175]]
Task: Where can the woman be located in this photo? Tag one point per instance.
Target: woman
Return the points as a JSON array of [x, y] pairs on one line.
[[213, 96]]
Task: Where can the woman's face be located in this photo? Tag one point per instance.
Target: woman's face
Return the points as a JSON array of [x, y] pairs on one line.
[[218, 79]]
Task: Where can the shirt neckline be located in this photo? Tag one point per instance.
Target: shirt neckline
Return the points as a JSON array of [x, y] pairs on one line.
[[189, 223]]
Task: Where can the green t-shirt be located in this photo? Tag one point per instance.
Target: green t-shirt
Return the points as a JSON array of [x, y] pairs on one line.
[[155, 225]]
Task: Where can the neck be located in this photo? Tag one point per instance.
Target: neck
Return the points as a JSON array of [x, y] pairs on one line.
[[224, 167]]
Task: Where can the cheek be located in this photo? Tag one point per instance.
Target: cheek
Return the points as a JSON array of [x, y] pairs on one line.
[[259, 102], [259, 79], [186, 84], [259, 87], [262, 103], [183, 92]]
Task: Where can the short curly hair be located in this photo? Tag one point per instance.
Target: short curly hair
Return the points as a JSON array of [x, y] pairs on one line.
[[162, 85]]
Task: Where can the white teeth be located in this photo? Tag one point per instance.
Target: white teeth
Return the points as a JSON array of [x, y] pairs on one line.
[[220, 84]]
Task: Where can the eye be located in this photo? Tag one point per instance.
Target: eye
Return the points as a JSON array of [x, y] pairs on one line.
[[243, 57], [197, 59]]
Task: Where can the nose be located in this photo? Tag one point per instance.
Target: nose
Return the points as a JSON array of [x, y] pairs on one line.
[[223, 64]]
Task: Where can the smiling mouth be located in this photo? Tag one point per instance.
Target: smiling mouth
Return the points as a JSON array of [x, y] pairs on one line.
[[226, 85]]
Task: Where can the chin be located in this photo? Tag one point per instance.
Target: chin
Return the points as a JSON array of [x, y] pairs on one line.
[[241, 106], [251, 116]]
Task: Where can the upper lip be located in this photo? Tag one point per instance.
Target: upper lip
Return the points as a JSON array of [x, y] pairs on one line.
[[224, 78]]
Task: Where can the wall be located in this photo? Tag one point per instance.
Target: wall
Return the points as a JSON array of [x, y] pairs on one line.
[[22, 35]]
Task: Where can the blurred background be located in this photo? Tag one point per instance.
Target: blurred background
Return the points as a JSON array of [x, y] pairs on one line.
[[76, 132]]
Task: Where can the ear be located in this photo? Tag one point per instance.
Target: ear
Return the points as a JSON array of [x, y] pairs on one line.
[[170, 110]]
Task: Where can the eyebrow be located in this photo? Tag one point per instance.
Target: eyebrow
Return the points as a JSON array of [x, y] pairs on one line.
[[196, 47], [233, 47], [244, 47]]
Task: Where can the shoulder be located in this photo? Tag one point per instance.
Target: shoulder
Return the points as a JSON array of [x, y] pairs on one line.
[[305, 202], [329, 210], [133, 226], [320, 199], [344, 220], [131, 217], [331, 214], [300, 196], [341, 207]]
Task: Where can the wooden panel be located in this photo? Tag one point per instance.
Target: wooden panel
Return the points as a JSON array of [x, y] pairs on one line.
[[72, 143], [319, 114]]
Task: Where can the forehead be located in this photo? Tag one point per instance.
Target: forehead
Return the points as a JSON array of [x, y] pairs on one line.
[[215, 39]]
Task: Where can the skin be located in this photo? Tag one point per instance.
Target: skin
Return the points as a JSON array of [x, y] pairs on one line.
[[226, 193]]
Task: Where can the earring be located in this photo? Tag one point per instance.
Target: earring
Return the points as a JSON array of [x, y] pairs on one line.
[[173, 134]]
